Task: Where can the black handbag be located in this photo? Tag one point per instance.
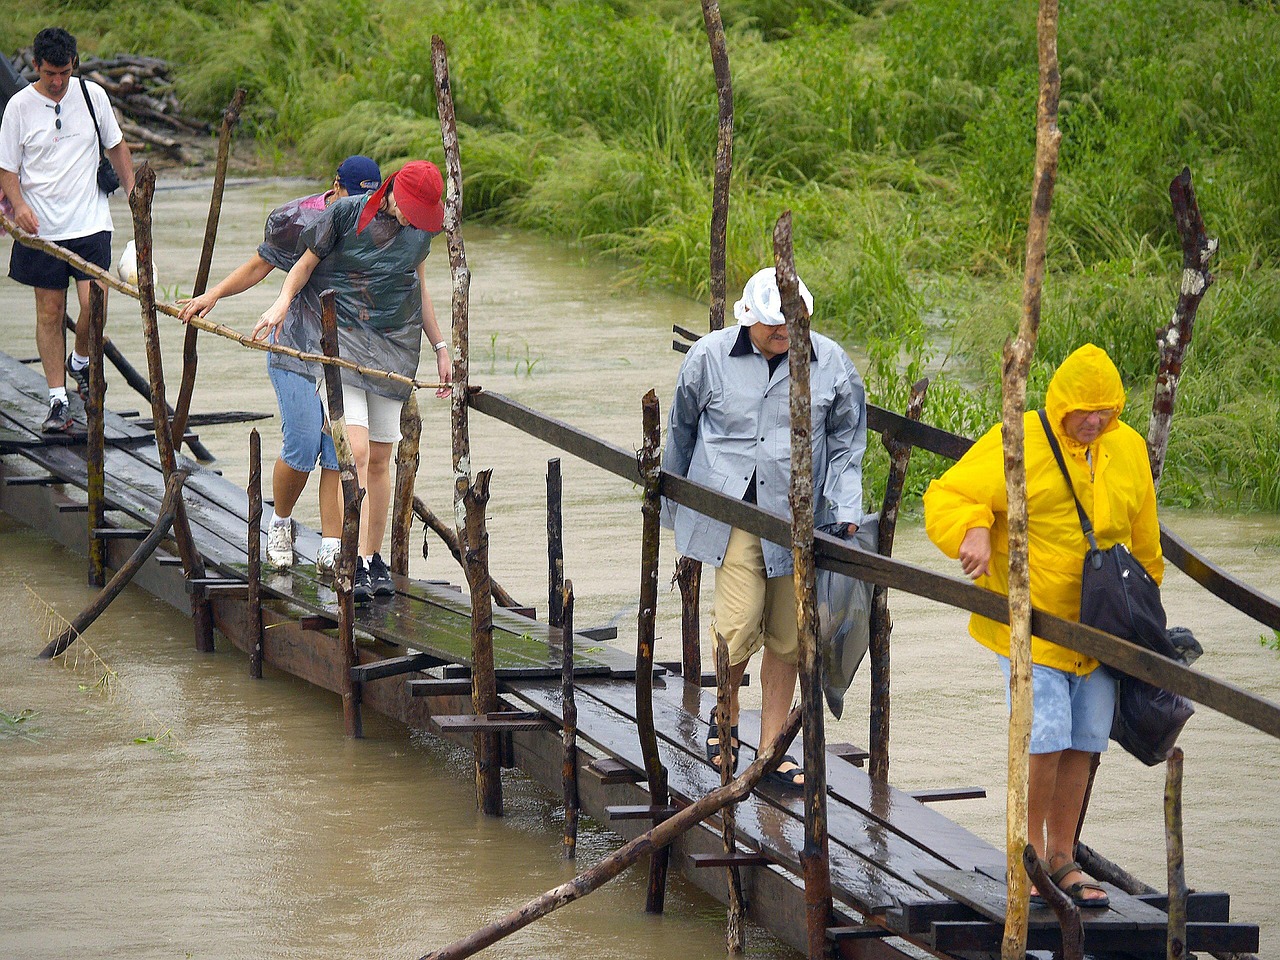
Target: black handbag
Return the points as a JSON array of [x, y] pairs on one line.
[[1119, 596], [108, 181]]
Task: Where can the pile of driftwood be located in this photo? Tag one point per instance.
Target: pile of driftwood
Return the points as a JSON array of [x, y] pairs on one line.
[[141, 90]]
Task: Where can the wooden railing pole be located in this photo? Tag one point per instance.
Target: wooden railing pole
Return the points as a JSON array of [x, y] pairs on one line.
[[569, 730], [449, 538], [814, 858], [1177, 939], [408, 456], [1067, 912], [192, 562], [688, 578], [95, 421], [190, 359], [344, 573], [650, 464], [724, 158], [555, 544], [735, 934], [484, 685], [253, 544], [881, 622]]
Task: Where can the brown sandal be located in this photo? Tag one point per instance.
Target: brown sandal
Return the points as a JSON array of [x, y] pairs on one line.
[[1076, 890]]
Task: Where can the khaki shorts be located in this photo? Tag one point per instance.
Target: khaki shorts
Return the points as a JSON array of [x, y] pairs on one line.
[[752, 610]]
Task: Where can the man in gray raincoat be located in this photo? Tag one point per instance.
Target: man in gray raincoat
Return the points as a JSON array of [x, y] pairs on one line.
[[730, 429]]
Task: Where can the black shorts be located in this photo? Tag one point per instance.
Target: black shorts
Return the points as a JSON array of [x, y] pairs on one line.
[[35, 268]]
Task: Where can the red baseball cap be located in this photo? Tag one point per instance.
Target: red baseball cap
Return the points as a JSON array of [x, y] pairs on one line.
[[419, 190]]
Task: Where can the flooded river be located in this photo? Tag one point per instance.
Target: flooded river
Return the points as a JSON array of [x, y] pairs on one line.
[[191, 812]]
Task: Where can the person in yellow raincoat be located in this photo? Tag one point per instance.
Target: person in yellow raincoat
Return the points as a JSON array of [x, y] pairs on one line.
[[966, 515]]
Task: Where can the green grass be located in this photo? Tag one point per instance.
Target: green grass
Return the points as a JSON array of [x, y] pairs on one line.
[[899, 133]]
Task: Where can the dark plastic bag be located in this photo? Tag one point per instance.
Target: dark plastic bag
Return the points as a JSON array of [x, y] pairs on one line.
[[844, 620], [1148, 719]]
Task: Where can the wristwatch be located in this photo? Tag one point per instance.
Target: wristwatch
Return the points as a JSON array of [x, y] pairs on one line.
[[442, 345]]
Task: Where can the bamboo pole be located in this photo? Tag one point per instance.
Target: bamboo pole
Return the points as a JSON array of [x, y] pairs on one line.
[[661, 835], [555, 544], [95, 453], [688, 577], [484, 684], [569, 729], [192, 561], [253, 544], [408, 457], [881, 622], [1177, 938], [168, 511], [1067, 912], [1017, 363], [344, 571], [190, 358], [735, 935], [450, 540], [109, 279], [650, 466], [724, 158]]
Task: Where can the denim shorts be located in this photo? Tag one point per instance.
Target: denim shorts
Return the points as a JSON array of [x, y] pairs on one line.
[[1070, 712], [301, 422]]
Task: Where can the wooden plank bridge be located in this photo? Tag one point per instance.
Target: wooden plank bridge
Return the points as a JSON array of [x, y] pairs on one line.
[[900, 870]]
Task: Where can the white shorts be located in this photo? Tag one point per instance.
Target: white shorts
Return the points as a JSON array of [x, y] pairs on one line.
[[362, 408]]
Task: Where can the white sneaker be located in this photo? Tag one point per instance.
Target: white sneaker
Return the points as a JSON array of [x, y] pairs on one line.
[[326, 559], [280, 544]]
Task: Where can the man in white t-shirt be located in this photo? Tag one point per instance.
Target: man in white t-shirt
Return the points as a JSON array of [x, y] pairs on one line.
[[49, 173]]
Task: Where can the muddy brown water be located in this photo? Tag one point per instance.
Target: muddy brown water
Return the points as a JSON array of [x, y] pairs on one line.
[[253, 829]]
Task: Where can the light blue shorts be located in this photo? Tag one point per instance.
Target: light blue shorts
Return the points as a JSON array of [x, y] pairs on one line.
[[301, 422], [1070, 712]]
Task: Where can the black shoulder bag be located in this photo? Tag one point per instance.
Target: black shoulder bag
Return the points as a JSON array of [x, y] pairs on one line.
[[1119, 596], [108, 182]]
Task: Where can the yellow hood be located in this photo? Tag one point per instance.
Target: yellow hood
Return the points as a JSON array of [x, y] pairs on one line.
[[1086, 380]]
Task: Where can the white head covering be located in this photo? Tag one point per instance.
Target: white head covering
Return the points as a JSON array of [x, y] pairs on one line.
[[762, 303]]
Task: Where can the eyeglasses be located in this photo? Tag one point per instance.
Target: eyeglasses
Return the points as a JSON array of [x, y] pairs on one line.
[[57, 112]]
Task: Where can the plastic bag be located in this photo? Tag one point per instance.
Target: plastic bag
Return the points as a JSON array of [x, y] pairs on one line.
[[844, 620]]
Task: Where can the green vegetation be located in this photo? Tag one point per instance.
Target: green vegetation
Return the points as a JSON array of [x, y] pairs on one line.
[[899, 132]]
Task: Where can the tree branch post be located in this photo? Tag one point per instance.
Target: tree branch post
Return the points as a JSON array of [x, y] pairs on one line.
[[735, 934], [688, 577], [253, 545], [555, 544], [569, 729], [408, 457], [1067, 912], [724, 158], [95, 441], [450, 539], [484, 684], [1177, 938], [815, 857]]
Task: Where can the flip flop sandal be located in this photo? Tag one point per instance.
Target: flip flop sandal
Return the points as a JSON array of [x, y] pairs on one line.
[[713, 746], [1076, 890], [786, 778]]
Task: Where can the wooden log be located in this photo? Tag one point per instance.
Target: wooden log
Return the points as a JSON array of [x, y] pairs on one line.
[[1177, 938], [881, 623], [814, 858], [1064, 909], [253, 544], [1173, 341], [450, 540], [724, 157], [190, 356], [408, 456], [95, 423], [192, 561], [484, 686], [555, 545], [650, 466], [344, 572], [688, 578], [661, 835], [569, 727], [168, 511], [735, 934]]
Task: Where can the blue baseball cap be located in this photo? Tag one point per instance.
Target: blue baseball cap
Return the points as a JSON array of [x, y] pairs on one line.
[[358, 175]]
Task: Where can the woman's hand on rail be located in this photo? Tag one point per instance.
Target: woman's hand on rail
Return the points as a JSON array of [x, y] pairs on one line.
[[975, 552], [444, 367], [271, 320]]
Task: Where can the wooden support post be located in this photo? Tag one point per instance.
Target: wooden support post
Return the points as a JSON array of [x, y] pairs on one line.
[[724, 157], [95, 421], [814, 857], [735, 934], [190, 359], [555, 545], [253, 543], [569, 730], [1067, 912], [1017, 363], [688, 578], [450, 540], [881, 622], [192, 561], [661, 835], [168, 511], [344, 572], [650, 465], [484, 684], [408, 457], [1177, 940]]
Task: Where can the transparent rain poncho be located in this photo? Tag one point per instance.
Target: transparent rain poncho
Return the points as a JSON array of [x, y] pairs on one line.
[[844, 620], [281, 247]]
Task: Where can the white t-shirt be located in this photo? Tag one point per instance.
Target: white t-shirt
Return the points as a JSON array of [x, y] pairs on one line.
[[58, 168]]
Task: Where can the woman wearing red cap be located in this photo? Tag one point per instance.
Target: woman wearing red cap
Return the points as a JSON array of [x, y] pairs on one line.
[[370, 251]]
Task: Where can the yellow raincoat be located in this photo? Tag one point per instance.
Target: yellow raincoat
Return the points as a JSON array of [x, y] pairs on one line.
[[1117, 494]]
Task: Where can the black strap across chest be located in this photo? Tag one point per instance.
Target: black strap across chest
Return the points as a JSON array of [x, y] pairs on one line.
[[1085, 523]]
